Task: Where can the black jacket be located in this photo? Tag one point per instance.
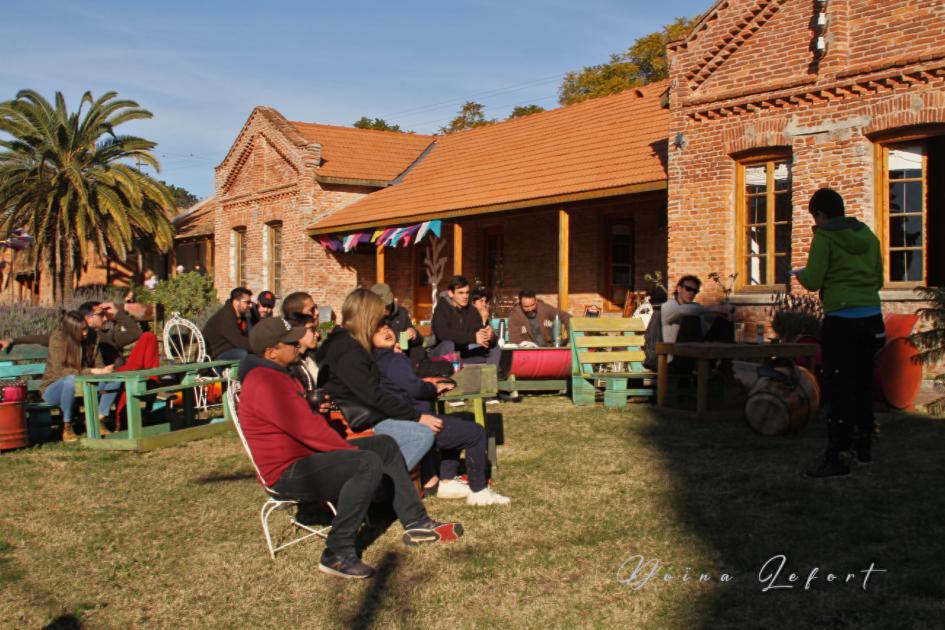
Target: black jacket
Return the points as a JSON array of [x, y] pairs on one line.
[[458, 325], [399, 380], [346, 371], [399, 321], [222, 332]]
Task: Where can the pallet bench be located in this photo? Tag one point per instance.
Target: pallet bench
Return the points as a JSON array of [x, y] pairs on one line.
[[608, 352]]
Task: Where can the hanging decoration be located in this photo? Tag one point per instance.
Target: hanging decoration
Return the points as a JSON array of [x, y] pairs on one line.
[[401, 236]]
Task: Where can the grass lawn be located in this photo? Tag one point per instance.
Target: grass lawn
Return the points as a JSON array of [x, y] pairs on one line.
[[172, 539]]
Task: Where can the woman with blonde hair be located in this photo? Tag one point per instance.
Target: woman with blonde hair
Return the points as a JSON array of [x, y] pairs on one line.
[[347, 372], [70, 354]]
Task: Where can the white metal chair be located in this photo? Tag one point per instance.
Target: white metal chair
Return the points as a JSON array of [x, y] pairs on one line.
[[184, 343], [274, 501]]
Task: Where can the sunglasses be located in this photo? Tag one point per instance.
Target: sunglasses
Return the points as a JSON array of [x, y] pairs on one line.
[[294, 344], [692, 290]]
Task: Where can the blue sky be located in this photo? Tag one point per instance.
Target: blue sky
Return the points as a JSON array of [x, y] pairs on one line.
[[201, 67]]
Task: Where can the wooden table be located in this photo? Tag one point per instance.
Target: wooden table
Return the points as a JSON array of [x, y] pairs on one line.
[[712, 351], [136, 385], [476, 382]]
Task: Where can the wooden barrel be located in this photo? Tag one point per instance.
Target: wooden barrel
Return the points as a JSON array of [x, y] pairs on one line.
[[777, 407], [13, 432], [541, 364]]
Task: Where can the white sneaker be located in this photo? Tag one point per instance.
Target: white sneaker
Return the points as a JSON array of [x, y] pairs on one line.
[[455, 403], [493, 401], [452, 489], [487, 496]]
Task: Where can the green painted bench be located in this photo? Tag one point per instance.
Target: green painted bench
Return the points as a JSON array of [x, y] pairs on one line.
[[136, 386], [607, 352]]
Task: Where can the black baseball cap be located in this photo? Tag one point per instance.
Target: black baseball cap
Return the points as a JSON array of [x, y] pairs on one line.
[[266, 298], [271, 331]]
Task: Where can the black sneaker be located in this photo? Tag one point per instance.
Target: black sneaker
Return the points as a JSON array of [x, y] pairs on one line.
[[863, 452], [828, 469], [349, 567], [431, 531]]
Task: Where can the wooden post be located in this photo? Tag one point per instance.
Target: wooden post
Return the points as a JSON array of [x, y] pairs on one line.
[[564, 241], [379, 265], [457, 249]]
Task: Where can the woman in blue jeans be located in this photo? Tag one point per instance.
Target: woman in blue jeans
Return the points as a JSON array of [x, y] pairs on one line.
[[347, 372], [71, 353]]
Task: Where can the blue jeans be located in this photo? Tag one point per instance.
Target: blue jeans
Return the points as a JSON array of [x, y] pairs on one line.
[[109, 393], [413, 438], [62, 393]]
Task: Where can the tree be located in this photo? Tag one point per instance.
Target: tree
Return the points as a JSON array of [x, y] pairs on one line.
[[644, 62], [470, 115], [525, 110], [69, 179], [378, 124], [183, 198]]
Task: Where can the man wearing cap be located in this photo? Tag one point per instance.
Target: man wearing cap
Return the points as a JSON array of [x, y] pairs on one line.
[[226, 333], [396, 317], [300, 456], [264, 307]]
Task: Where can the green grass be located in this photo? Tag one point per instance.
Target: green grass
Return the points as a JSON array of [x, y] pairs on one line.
[[171, 538]]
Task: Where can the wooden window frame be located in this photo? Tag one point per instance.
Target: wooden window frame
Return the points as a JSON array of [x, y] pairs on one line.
[[274, 229], [240, 251], [769, 159]]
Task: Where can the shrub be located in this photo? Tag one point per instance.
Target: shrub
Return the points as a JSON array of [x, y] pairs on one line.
[[190, 294], [931, 341], [17, 320], [796, 315]]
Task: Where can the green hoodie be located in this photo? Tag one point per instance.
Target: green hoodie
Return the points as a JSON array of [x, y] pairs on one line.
[[844, 264]]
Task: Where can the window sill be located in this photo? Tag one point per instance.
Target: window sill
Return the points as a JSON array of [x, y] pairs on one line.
[[899, 295], [762, 298]]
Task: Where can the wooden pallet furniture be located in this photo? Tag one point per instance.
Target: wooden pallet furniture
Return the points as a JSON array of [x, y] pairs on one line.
[[475, 383], [607, 352], [137, 385]]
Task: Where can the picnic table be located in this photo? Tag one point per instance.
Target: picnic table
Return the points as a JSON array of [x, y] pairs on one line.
[[136, 386], [475, 383], [705, 352]]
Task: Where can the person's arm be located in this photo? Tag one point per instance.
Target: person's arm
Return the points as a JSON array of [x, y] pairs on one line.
[[517, 325], [448, 327], [124, 330], [230, 331], [674, 311], [354, 370], [288, 410], [812, 276], [565, 318], [401, 373]]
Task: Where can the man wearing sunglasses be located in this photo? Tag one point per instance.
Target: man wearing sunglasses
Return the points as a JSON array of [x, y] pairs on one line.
[[684, 320], [226, 333]]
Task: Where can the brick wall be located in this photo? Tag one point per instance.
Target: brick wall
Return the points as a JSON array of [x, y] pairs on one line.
[[748, 79]]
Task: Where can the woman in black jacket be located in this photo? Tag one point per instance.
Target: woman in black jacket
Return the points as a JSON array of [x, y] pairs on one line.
[[346, 371]]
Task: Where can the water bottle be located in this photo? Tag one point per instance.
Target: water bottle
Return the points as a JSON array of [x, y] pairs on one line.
[[556, 331], [502, 331]]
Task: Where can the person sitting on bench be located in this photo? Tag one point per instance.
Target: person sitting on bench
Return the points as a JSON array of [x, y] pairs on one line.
[[226, 333], [300, 456], [459, 327], [685, 320], [533, 320]]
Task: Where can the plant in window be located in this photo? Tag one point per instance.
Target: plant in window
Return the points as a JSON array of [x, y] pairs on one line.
[[931, 341]]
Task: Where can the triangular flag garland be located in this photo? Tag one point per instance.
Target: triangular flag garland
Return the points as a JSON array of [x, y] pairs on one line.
[[385, 237]]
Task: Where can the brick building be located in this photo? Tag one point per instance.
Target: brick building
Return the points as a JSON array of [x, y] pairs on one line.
[[570, 202], [773, 99]]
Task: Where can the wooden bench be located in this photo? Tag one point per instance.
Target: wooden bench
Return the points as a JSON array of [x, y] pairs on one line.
[[608, 351]]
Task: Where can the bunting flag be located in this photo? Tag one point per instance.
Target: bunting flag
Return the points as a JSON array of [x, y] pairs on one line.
[[381, 237]]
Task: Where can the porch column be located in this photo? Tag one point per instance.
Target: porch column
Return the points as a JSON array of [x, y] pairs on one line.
[[564, 258], [379, 265], [457, 249]]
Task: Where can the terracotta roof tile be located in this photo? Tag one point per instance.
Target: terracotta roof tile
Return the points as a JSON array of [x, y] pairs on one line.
[[604, 143], [197, 220], [363, 154]]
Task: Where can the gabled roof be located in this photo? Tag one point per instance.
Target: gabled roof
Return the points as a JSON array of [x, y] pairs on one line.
[[609, 145], [197, 220], [351, 155]]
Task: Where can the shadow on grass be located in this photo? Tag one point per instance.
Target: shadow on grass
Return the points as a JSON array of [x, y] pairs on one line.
[[378, 596], [64, 622], [743, 497], [208, 479]]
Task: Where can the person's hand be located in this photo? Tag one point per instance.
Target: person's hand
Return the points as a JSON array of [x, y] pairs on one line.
[[108, 369], [444, 386], [431, 422], [108, 309], [5, 344], [411, 333], [482, 337], [324, 407]]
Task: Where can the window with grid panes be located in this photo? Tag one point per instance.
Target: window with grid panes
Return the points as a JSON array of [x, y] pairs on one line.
[[239, 249], [275, 258], [765, 215]]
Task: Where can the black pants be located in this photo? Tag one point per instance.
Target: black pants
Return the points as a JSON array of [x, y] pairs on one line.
[[849, 349], [690, 329], [350, 478], [461, 433]]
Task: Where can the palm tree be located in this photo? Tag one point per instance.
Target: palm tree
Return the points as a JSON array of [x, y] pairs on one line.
[[70, 180]]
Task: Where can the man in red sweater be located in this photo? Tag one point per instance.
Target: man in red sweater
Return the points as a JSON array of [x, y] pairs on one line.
[[300, 456]]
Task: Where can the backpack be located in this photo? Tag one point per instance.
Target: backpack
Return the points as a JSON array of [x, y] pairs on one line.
[[652, 336]]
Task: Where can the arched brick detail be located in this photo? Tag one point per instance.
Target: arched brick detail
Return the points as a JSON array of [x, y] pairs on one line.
[[762, 134], [908, 110]]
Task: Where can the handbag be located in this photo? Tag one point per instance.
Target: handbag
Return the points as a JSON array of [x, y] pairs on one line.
[[359, 416]]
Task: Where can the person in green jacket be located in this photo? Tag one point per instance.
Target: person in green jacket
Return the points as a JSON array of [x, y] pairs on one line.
[[846, 266]]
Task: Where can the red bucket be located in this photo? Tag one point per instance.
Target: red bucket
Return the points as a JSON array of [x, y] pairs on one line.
[[13, 432]]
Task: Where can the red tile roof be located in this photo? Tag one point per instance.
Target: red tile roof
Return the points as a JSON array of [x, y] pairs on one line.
[[197, 220], [363, 154], [607, 143]]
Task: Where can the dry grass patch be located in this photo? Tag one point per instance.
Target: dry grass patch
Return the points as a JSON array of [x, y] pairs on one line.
[[171, 538]]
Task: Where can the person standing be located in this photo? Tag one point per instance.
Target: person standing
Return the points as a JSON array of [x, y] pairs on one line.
[[845, 265]]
